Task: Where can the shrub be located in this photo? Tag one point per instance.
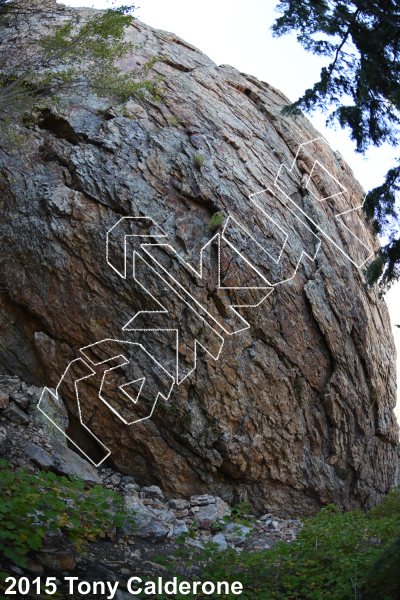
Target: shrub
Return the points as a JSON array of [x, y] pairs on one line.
[[331, 557], [31, 504], [384, 575], [338, 555]]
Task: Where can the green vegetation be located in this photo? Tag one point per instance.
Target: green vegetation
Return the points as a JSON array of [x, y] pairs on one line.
[[216, 220], [214, 426], [361, 38], [384, 574], [31, 504], [79, 57], [177, 414], [337, 556], [199, 159], [341, 471], [331, 558]]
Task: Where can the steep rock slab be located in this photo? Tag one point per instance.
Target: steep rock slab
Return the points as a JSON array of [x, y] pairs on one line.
[[63, 462], [297, 411]]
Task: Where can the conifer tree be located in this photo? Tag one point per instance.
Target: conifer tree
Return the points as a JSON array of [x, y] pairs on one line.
[[361, 86], [41, 63]]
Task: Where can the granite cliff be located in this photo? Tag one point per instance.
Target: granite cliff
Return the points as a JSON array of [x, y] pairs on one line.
[[284, 364]]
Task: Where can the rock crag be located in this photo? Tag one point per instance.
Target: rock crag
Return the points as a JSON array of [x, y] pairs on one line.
[[295, 410], [158, 522]]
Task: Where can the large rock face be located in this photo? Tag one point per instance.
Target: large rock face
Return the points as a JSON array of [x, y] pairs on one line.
[[289, 401]]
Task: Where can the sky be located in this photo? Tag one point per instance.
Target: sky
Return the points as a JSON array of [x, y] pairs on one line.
[[238, 33]]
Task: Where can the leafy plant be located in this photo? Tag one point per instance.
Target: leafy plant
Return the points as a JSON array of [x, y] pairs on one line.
[[216, 220], [337, 555], [31, 504], [329, 559], [385, 573], [240, 512], [199, 159]]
